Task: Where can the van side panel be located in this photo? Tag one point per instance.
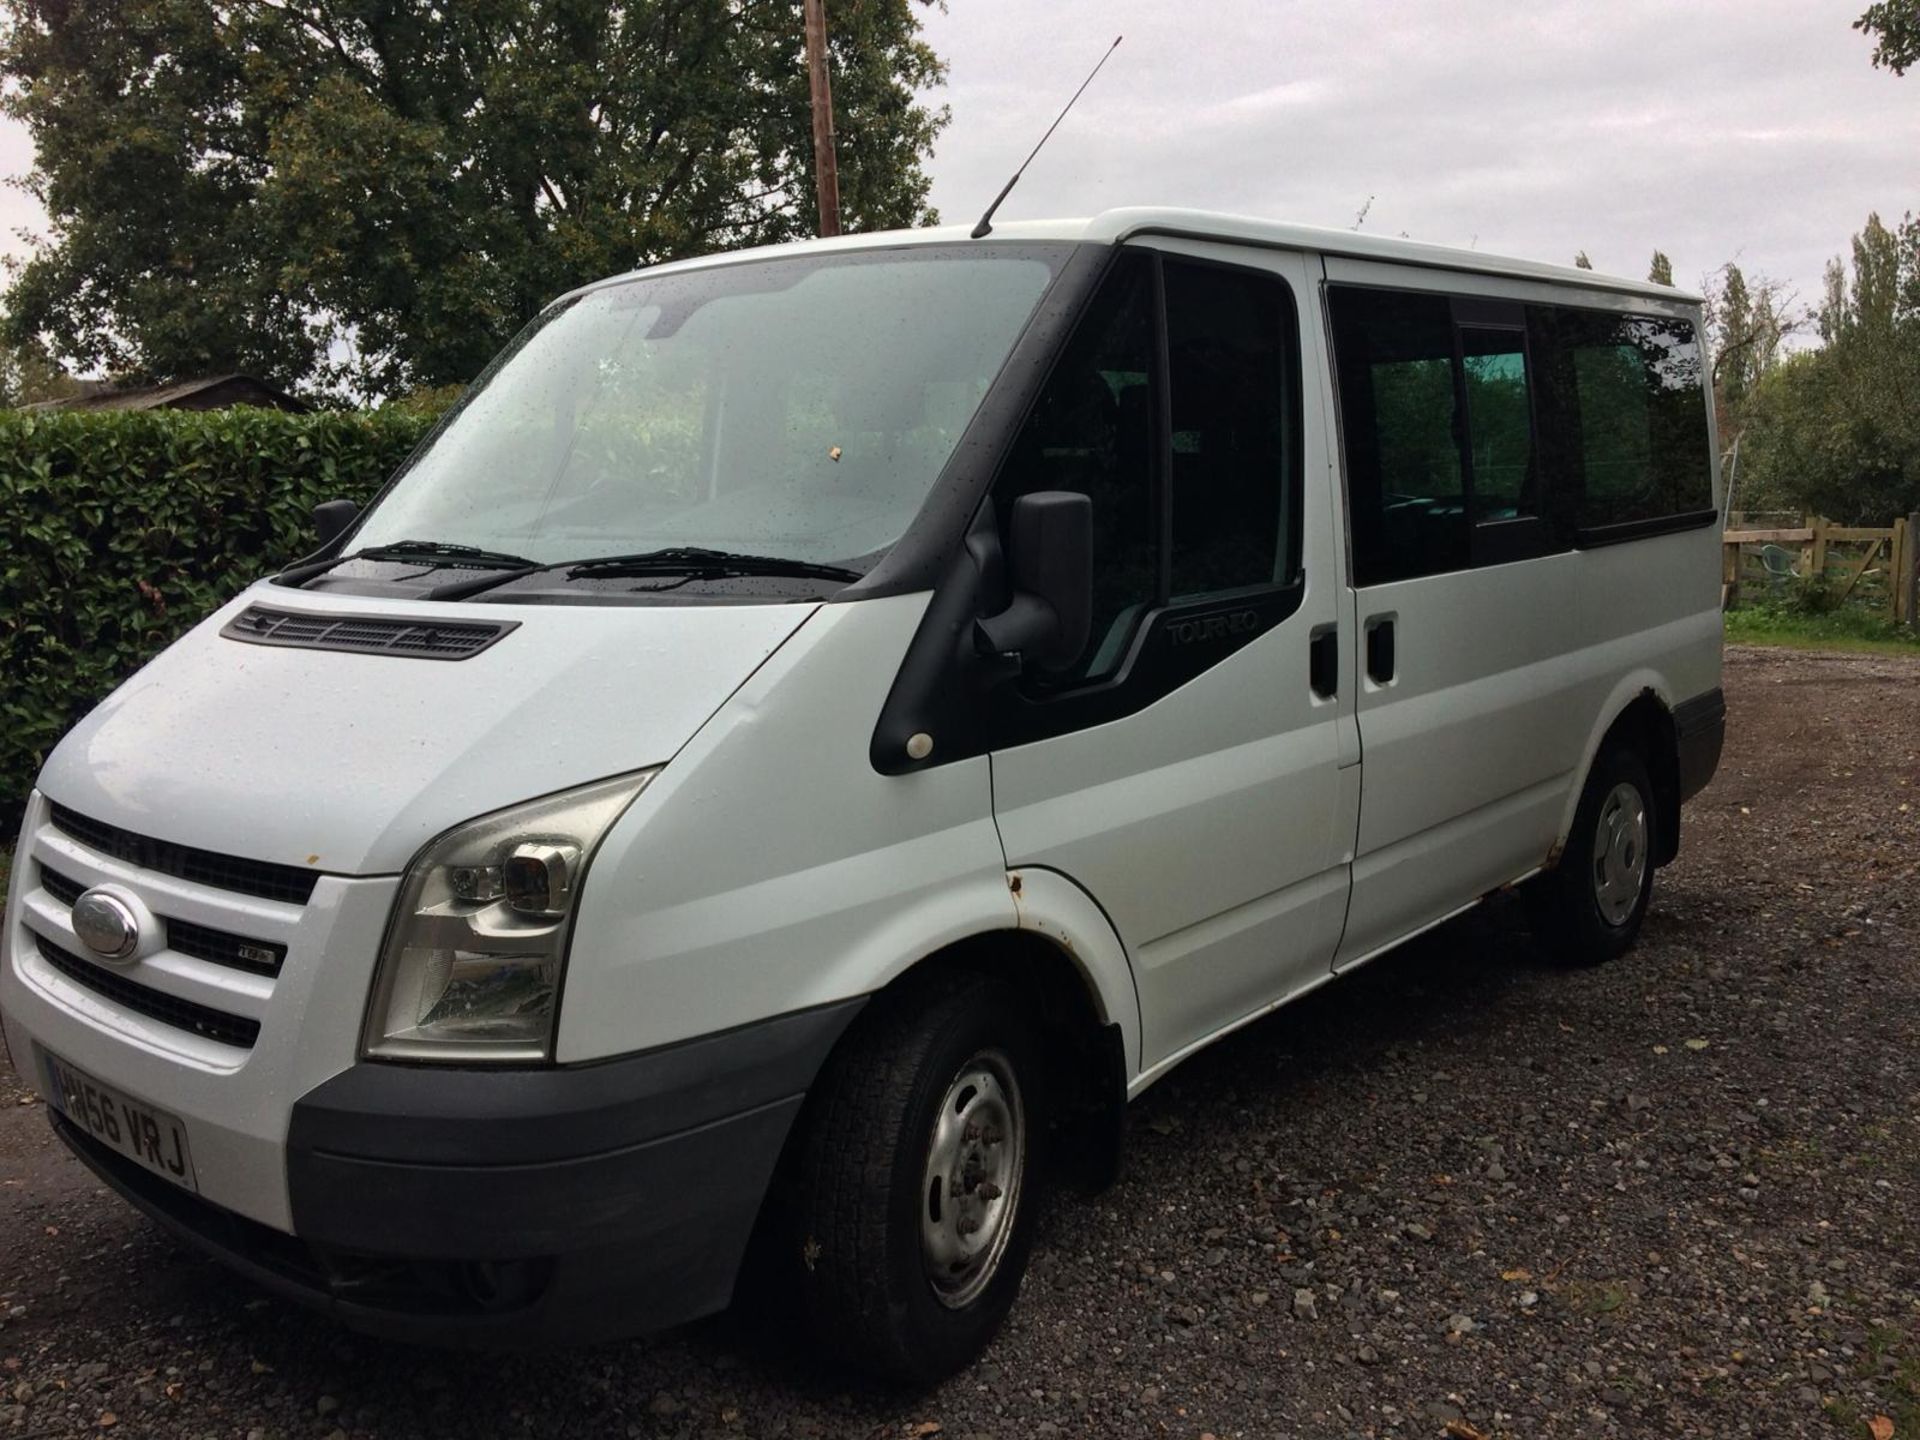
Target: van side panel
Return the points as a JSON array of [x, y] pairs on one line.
[[1507, 677], [1652, 611], [770, 868]]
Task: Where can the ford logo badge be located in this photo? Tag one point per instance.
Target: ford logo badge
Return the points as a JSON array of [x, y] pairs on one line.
[[106, 925]]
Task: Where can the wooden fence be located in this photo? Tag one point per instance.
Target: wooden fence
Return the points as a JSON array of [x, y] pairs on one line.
[[1891, 554]]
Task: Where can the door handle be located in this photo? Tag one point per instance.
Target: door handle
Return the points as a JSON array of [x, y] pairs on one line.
[[1380, 646], [1323, 661]]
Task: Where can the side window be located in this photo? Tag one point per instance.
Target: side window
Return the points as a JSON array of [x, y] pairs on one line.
[[1394, 353], [1091, 431], [1190, 455], [1500, 424], [1627, 420], [1233, 376]]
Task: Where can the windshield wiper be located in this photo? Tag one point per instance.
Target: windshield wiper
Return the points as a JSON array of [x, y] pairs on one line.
[[691, 560], [697, 560], [434, 554], [430, 551]]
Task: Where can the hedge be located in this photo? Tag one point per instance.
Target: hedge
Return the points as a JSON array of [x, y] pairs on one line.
[[123, 529]]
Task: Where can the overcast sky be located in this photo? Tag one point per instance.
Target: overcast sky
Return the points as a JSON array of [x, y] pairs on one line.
[[1713, 129]]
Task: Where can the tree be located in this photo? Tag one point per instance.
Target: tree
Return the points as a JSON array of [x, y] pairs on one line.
[[1747, 325], [28, 374], [1837, 431], [1895, 28], [380, 194], [1660, 272]]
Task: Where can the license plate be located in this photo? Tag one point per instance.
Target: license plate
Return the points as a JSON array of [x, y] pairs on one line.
[[148, 1136]]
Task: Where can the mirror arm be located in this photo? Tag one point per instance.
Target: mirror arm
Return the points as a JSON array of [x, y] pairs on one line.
[[1027, 622]]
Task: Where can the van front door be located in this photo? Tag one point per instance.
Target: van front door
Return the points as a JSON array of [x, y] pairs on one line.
[[1187, 770]]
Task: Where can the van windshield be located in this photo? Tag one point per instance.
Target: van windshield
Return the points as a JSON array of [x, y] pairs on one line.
[[798, 409]]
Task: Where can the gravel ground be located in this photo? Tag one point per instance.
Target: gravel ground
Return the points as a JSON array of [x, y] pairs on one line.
[[1460, 1194]]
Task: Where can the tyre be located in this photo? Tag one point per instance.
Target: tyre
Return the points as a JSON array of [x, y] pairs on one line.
[[911, 1214], [1590, 908]]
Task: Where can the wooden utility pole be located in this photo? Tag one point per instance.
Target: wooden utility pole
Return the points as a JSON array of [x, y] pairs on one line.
[[826, 169]]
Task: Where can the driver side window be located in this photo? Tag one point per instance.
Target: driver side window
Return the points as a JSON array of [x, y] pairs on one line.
[[1185, 438], [1091, 432]]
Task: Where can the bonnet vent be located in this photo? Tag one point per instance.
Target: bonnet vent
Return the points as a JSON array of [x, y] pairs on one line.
[[365, 634]]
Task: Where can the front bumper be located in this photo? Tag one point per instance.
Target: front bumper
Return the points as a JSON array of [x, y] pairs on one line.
[[520, 1208]]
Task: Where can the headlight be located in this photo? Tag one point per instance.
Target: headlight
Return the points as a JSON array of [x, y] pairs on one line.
[[471, 968]]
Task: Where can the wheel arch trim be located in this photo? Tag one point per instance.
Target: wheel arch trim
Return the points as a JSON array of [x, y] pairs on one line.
[[1052, 906], [1637, 686]]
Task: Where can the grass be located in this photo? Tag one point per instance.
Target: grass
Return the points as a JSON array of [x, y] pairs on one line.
[[1848, 628], [1890, 1360]]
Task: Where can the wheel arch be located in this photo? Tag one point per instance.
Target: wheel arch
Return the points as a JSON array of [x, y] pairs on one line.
[[1639, 711], [1062, 955]]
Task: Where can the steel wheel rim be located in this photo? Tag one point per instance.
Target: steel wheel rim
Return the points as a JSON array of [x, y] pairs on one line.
[[1620, 854], [970, 1191]]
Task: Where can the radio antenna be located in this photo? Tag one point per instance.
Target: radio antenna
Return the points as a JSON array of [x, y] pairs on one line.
[[985, 227]]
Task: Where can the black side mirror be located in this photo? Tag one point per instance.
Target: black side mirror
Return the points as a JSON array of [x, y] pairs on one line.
[[1050, 545], [331, 519]]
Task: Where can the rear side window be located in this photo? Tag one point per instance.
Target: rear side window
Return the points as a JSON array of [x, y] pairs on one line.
[[1499, 423], [1478, 431], [1401, 424], [1630, 412]]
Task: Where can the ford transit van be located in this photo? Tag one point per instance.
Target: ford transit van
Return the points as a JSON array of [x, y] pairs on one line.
[[817, 730]]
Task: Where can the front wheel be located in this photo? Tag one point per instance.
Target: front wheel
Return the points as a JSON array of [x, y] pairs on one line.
[[912, 1217], [1591, 907]]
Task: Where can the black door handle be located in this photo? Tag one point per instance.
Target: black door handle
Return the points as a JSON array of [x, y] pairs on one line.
[[1380, 658], [1323, 662]]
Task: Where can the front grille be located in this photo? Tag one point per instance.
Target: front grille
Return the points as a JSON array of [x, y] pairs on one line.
[[203, 942], [236, 952], [201, 1020], [224, 872], [60, 887], [365, 635]]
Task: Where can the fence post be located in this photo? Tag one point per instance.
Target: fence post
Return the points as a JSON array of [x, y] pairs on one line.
[[1910, 579], [1729, 576], [1897, 570], [1817, 558]]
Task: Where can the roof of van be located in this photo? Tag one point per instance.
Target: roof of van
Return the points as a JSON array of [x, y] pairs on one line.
[[1110, 227]]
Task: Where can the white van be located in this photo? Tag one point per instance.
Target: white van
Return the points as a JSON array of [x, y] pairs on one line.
[[818, 729]]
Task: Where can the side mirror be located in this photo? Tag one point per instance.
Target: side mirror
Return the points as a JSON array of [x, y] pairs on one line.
[[1050, 555], [331, 519]]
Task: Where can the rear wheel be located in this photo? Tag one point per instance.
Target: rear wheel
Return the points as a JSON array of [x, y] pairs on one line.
[[1590, 908], [912, 1216]]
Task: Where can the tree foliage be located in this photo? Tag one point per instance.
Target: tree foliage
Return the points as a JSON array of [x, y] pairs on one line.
[[1660, 271], [28, 374], [1748, 325], [380, 193], [1836, 431], [1895, 28]]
